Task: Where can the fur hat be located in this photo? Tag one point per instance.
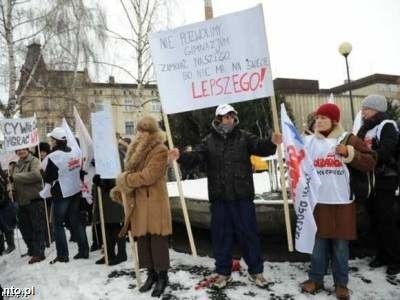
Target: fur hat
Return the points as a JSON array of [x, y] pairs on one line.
[[148, 124], [329, 110], [376, 102]]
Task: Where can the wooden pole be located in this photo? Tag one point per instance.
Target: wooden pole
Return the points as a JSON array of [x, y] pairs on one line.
[[179, 183], [103, 228], [283, 181], [208, 9], [133, 244]]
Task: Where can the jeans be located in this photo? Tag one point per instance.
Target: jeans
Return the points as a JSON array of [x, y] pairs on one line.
[[68, 208], [329, 249], [231, 221]]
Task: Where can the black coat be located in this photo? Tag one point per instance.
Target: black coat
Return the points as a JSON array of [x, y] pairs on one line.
[[227, 160], [386, 173]]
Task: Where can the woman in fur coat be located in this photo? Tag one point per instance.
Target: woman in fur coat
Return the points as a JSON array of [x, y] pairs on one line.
[[149, 214]]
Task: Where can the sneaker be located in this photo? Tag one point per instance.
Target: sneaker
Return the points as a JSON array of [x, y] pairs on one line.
[[259, 280], [221, 281], [81, 255], [393, 269], [311, 287], [63, 259], [342, 292], [101, 261], [377, 263], [36, 259]]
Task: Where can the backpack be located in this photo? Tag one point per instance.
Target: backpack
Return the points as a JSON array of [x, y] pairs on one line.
[[361, 183]]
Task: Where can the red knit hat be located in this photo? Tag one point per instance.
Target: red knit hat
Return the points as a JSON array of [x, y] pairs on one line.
[[329, 110]]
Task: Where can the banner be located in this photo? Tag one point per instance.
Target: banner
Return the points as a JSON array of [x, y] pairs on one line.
[[304, 184], [19, 133], [6, 158], [106, 153], [222, 60]]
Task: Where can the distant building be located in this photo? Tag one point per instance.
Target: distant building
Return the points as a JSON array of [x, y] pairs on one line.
[[305, 95], [49, 94]]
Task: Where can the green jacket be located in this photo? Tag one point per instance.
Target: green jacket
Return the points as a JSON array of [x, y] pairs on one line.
[[27, 180]]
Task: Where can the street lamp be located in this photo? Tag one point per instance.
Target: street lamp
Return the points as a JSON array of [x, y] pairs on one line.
[[345, 49]]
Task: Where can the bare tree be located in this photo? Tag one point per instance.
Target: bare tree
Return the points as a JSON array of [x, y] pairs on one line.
[[19, 22]]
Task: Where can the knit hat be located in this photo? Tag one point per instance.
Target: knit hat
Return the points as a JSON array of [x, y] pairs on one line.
[[43, 146], [329, 110], [376, 102], [148, 124]]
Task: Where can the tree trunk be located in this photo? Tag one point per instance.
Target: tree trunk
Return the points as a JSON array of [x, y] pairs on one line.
[[12, 76]]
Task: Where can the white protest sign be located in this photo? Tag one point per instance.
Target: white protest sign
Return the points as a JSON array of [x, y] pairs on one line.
[[6, 158], [106, 154], [222, 60], [19, 133]]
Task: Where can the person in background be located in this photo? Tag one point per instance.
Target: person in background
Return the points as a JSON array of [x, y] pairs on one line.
[[27, 181], [62, 183], [8, 218], [382, 136], [335, 212], [226, 152]]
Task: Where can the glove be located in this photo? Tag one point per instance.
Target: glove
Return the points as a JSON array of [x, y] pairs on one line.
[[82, 174], [116, 195], [97, 180]]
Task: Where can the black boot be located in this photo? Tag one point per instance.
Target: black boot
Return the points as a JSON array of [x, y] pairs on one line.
[[10, 242], [121, 256], [151, 279], [161, 284]]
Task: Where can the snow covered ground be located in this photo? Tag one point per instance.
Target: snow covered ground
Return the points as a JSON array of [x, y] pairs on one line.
[[83, 279]]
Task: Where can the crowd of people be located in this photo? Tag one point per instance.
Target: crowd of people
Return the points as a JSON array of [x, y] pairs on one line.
[[137, 201]]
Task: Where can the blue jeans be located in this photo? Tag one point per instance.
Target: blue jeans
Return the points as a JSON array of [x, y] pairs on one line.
[[233, 221], [68, 208], [329, 249]]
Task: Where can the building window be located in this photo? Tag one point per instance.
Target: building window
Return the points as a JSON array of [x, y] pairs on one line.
[[128, 105], [49, 127], [156, 107], [129, 127]]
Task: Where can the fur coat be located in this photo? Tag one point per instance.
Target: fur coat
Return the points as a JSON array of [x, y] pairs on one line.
[[144, 183]]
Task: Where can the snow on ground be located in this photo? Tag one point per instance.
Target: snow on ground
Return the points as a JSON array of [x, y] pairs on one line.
[[83, 279]]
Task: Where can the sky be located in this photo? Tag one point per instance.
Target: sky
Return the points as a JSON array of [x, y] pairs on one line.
[[304, 36]]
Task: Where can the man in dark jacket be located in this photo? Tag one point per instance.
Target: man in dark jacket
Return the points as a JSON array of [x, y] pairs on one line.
[[226, 152], [381, 135]]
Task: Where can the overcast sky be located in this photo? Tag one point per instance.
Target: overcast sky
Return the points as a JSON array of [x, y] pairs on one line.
[[304, 35]]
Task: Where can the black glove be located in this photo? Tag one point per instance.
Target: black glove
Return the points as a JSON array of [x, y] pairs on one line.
[[82, 174], [97, 180]]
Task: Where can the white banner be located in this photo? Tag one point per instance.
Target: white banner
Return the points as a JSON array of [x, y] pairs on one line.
[[106, 154], [6, 158], [222, 60], [19, 133], [304, 184]]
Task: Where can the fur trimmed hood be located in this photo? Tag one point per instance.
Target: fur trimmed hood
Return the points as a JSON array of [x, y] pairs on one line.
[[140, 147]]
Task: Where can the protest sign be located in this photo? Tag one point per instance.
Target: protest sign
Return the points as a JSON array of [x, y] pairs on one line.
[[19, 133], [221, 60]]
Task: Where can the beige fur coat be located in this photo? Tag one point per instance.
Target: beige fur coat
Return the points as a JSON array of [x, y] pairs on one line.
[[143, 181]]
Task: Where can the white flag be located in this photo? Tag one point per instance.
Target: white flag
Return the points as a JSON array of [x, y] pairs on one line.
[[357, 123], [71, 140], [304, 184], [86, 145], [330, 99]]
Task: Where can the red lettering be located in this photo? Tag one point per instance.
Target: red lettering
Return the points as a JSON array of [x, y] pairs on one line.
[[204, 88], [194, 94], [236, 85]]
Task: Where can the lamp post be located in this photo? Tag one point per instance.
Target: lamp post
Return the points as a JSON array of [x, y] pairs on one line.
[[345, 49]]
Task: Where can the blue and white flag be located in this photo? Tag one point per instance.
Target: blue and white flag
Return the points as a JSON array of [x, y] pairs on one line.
[[304, 184]]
